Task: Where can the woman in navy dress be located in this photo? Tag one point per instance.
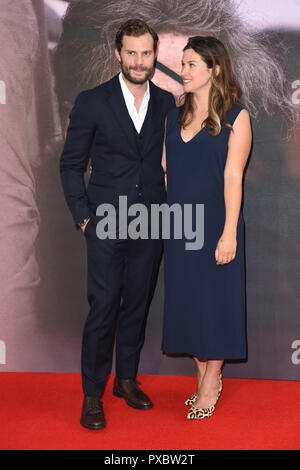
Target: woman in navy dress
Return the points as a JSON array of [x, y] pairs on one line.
[[207, 145]]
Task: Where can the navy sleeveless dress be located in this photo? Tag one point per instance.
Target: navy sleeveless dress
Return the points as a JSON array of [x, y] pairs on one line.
[[204, 306]]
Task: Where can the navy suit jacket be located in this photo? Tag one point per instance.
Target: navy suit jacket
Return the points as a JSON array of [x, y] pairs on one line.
[[123, 161]]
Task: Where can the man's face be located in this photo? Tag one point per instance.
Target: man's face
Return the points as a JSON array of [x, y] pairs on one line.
[[137, 58]]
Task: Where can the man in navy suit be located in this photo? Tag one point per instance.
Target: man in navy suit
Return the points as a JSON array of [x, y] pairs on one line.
[[120, 124]]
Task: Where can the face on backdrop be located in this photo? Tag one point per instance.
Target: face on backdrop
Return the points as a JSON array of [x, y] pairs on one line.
[[170, 54], [137, 58]]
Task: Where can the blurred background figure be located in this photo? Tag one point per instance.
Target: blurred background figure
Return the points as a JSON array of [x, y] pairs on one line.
[[26, 130]]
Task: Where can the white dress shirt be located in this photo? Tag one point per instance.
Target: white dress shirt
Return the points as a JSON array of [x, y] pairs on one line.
[[137, 117]]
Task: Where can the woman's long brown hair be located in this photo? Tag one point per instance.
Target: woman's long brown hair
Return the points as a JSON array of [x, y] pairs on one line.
[[224, 91]]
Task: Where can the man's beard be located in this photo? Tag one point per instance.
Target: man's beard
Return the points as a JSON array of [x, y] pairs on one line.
[[136, 80]]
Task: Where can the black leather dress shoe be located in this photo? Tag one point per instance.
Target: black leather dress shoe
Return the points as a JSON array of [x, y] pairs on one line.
[[92, 416], [134, 396]]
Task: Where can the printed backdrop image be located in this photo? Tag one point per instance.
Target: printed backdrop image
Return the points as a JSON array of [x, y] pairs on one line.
[[53, 49]]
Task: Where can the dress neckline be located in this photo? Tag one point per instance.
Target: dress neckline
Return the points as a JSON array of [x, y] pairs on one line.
[[197, 133]]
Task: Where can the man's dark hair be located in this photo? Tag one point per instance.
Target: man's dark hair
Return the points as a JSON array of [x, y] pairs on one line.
[[134, 28]]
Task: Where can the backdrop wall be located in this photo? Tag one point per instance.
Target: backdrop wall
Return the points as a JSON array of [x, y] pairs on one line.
[[43, 302]]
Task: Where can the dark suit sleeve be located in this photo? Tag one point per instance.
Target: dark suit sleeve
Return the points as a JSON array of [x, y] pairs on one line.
[[171, 103], [78, 143]]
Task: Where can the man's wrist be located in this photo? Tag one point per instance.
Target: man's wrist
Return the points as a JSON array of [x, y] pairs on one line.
[[83, 222]]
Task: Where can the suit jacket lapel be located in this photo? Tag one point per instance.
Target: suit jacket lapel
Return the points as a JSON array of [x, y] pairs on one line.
[[119, 109], [150, 121]]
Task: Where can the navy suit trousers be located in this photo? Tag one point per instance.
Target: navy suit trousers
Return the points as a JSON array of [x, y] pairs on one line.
[[121, 282]]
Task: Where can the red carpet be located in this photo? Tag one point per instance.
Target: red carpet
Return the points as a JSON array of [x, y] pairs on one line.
[[42, 410]]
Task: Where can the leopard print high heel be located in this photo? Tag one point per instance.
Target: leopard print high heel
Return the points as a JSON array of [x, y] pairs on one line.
[[201, 413], [191, 400]]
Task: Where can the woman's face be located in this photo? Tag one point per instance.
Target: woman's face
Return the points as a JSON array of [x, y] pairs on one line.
[[195, 74]]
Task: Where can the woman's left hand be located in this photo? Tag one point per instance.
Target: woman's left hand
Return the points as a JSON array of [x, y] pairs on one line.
[[226, 249]]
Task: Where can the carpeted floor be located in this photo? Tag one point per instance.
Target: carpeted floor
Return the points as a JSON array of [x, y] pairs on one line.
[[41, 411]]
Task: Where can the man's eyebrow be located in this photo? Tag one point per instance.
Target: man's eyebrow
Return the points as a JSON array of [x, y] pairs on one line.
[[163, 68], [134, 50]]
